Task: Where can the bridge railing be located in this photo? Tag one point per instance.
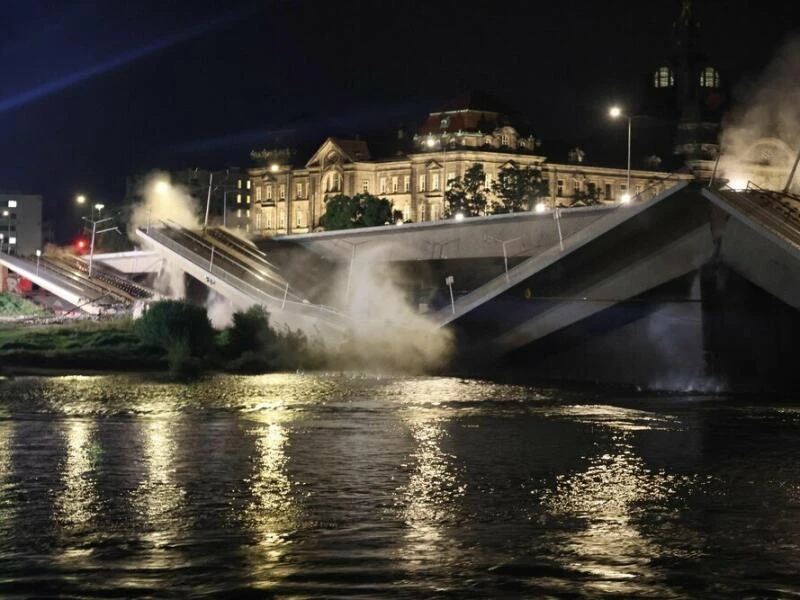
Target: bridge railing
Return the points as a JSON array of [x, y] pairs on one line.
[[256, 294], [519, 272]]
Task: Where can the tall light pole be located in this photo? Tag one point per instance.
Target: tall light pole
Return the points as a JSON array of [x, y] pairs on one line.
[[2, 237], [38, 256], [615, 112], [94, 233]]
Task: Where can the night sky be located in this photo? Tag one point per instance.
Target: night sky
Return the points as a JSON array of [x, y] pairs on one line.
[[92, 91]]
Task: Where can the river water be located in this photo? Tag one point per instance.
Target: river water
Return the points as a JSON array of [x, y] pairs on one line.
[[347, 485]]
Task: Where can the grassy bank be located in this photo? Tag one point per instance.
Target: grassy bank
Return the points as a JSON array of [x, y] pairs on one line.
[[80, 345]]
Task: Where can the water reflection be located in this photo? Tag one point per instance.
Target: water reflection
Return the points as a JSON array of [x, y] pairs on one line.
[[272, 514], [433, 493], [77, 504], [606, 502], [6, 475], [159, 496]]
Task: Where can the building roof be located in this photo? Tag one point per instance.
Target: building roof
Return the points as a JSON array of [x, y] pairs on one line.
[[474, 111]]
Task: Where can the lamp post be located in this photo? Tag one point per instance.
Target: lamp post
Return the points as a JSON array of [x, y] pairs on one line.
[[7, 215], [431, 143], [38, 256], [449, 281], [2, 237], [94, 233], [615, 112]]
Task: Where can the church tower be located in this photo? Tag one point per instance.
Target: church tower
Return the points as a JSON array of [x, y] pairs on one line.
[[687, 89]]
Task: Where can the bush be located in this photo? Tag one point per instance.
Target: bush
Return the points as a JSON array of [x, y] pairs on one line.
[[253, 347], [178, 327]]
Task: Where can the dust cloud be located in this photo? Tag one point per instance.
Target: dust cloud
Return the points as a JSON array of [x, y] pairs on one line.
[[386, 331], [769, 113]]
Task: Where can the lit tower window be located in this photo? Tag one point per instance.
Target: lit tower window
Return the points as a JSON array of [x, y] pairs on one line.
[[663, 78], [709, 78]]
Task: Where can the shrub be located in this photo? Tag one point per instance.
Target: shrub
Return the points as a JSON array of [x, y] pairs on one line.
[[176, 326]]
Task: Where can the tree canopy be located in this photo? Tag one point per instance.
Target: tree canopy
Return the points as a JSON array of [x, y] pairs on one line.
[[361, 210], [518, 188], [467, 194]]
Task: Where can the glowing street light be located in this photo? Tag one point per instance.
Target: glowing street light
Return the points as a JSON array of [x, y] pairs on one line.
[[615, 112], [162, 187], [459, 216], [80, 199], [449, 281], [38, 256], [540, 207], [274, 167]]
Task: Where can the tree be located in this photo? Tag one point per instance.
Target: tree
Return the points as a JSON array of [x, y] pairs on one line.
[[518, 188], [169, 323], [467, 194], [588, 196], [361, 210]]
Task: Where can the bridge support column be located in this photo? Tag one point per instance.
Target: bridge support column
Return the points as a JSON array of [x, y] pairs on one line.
[[3, 279]]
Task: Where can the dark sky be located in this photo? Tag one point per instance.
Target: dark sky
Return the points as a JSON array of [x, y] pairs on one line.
[[91, 91]]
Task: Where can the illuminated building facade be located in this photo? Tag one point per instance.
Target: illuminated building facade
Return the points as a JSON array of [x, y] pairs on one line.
[[472, 129], [21, 223]]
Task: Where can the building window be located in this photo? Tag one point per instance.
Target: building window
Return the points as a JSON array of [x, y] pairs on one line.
[[238, 198], [299, 217], [609, 195], [247, 198], [269, 192], [12, 204], [421, 211], [407, 183], [238, 213], [435, 212], [559, 187], [365, 186], [709, 78], [382, 187], [663, 78], [421, 183], [299, 190], [258, 194], [623, 189], [248, 213], [504, 139], [239, 184], [487, 182], [269, 220], [282, 220], [282, 192], [395, 184], [435, 182], [248, 184], [258, 219], [576, 186]]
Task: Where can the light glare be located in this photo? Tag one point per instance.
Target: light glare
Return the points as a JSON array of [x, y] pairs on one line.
[[615, 112], [540, 207], [625, 198]]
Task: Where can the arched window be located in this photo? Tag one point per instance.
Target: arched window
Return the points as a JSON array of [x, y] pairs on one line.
[[709, 78], [663, 78]]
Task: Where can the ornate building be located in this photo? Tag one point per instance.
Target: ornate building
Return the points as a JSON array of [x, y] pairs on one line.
[[474, 128]]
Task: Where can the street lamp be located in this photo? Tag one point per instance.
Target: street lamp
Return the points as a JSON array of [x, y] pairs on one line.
[[95, 232], [2, 237], [616, 112], [38, 256]]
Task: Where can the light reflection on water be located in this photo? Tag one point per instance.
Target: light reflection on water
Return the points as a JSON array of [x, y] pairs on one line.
[[351, 484]]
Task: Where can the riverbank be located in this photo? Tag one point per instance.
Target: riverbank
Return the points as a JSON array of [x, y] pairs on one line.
[[75, 346]]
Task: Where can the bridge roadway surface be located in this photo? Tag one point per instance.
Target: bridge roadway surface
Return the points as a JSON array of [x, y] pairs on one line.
[[67, 277]]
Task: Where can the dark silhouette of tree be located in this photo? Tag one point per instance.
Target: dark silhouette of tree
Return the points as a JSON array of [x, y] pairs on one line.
[[361, 210], [518, 189], [467, 194]]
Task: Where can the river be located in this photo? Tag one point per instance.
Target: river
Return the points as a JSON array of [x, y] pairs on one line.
[[350, 485]]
